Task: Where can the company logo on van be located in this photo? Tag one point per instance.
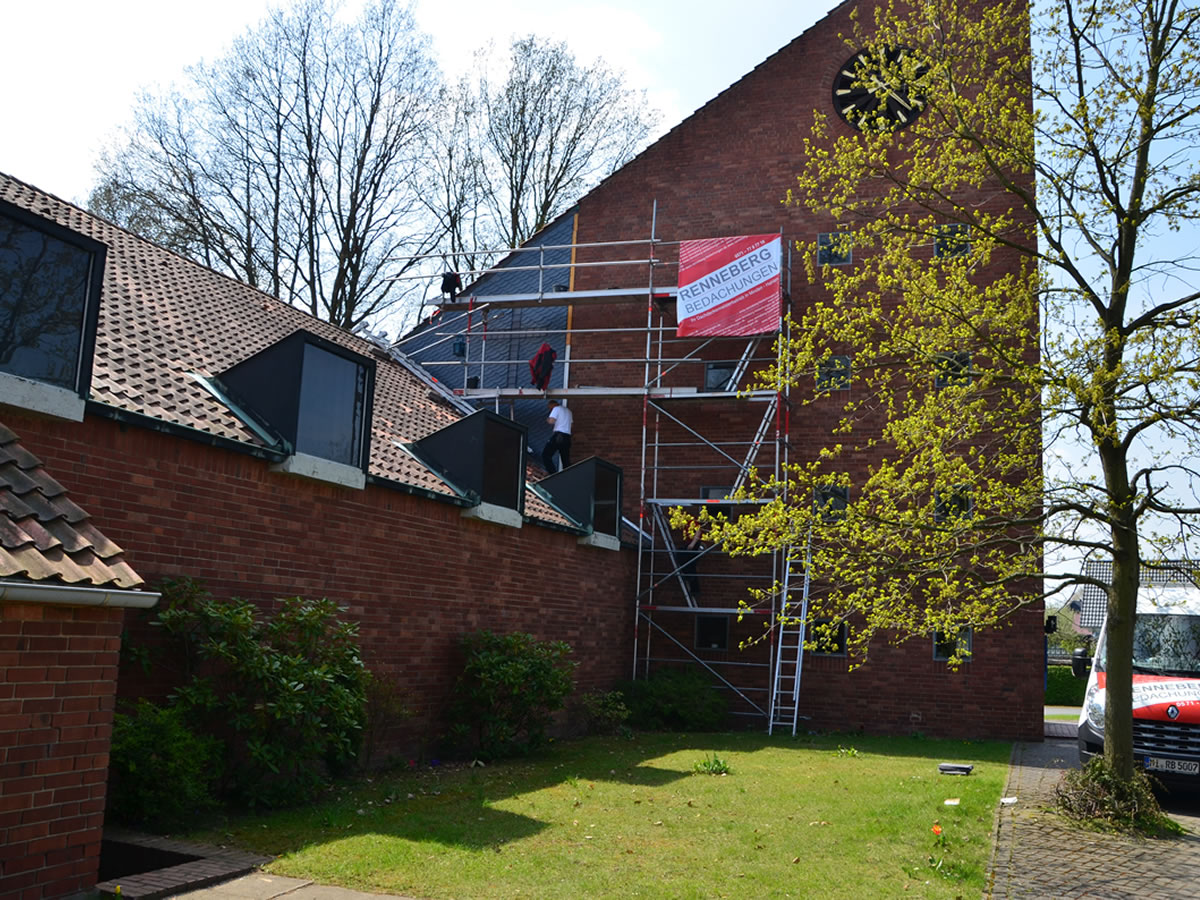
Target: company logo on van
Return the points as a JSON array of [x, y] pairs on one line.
[[1173, 711], [1149, 691]]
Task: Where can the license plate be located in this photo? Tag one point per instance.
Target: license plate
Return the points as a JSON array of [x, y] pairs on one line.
[[1174, 766]]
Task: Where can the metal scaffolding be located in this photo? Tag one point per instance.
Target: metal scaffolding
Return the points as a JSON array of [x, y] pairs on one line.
[[767, 686]]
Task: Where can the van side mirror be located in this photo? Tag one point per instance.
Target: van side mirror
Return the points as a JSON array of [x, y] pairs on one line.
[[1081, 663]]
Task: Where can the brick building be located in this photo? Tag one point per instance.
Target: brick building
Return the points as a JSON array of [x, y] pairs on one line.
[[63, 589], [220, 434], [667, 411], [223, 435]]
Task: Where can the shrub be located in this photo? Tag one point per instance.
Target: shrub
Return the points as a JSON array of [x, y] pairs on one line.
[[509, 689], [160, 772], [284, 693], [1094, 794], [604, 712], [1063, 688], [675, 700]]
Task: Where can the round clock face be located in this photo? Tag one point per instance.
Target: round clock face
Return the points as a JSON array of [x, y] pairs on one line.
[[867, 93]]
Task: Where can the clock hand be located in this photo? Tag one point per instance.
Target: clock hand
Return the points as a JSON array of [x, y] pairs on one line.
[[877, 84]]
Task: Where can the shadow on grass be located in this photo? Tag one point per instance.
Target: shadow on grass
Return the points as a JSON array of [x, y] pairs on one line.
[[492, 806]]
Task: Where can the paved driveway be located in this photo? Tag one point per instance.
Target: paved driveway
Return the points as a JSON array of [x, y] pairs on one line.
[[1039, 854]]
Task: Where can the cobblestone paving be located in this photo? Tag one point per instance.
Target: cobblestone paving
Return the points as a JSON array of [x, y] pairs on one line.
[[1039, 854]]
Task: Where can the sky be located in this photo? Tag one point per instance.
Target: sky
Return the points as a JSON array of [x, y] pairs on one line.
[[80, 65]]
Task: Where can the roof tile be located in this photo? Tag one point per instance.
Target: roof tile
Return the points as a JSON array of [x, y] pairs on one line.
[[44, 536], [164, 318]]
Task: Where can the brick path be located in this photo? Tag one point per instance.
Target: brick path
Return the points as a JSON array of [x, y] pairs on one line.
[[1039, 854]]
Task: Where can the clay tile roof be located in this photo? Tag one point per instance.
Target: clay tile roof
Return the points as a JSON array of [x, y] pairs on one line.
[[537, 508], [164, 319], [45, 537]]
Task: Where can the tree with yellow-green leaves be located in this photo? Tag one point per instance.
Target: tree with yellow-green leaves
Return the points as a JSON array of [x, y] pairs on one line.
[[1022, 225]]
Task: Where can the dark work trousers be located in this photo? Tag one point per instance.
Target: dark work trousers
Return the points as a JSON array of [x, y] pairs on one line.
[[561, 443]]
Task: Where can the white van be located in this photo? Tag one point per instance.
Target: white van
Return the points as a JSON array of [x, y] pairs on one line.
[[1166, 685]]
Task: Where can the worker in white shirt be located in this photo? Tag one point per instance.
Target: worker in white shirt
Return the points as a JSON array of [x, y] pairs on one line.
[[560, 441]]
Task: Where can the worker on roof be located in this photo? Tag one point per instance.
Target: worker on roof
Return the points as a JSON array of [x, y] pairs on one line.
[[560, 419]]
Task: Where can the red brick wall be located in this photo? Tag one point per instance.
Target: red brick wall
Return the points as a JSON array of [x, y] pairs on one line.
[[725, 172], [900, 690], [58, 672], [412, 571]]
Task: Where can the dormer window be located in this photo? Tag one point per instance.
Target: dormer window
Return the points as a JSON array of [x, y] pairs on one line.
[[590, 493], [314, 394], [333, 400], [482, 457], [50, 281]]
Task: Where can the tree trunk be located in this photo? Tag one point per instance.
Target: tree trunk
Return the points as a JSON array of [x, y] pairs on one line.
[[1122, 606]]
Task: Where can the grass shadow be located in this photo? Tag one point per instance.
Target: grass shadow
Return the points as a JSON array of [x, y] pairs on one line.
[[490, 807]]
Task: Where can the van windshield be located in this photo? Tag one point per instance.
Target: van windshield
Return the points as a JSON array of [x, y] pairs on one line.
[[1167, 645], [1163, 645]]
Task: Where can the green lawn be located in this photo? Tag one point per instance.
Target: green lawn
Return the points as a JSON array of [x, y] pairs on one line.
[[828, 817]]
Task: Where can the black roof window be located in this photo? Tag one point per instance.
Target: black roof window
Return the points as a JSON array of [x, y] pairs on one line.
[[312, 392], [50, 279]]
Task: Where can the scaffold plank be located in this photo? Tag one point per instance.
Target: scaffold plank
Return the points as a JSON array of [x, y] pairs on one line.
[[556, 298], [658, 393]]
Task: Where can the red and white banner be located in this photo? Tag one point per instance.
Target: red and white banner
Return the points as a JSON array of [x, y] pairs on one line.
[[729, 286]]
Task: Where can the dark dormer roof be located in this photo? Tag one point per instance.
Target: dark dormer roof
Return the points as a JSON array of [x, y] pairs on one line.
[[45, 537]]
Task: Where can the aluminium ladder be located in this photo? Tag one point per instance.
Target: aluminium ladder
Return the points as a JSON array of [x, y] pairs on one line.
[[789, 649]]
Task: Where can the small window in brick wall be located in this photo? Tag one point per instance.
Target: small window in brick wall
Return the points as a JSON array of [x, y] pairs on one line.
[[945, 644], [830, 501], [952, 368], [834, 248], [827, 637], [952, 240], [953, 504], [712, 632], [717, 376], [833, 374]]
